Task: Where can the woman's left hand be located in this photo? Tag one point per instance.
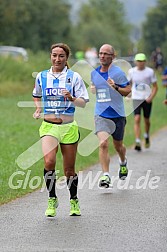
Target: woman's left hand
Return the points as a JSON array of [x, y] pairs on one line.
[[67, 94]]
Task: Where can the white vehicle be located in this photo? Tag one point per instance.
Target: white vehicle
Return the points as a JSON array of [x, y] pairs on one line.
[[14, 51]]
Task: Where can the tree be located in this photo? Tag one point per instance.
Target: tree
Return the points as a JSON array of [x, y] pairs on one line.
[[34, 24], [154, 30], [103, 21]]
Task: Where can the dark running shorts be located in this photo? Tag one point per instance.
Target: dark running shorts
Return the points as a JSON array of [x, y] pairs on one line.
[[113, 126], [146, 107]]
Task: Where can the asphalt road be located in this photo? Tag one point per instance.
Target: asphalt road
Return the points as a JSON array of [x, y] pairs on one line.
[[130, 217]]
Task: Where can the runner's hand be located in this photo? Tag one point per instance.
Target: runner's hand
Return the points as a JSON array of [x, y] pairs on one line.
[[67, 94], [111, 83], [37, 113], [149, 100], [93, 89], [165, 102]]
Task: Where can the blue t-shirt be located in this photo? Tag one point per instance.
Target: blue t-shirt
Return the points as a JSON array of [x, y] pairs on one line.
[[109, 102]]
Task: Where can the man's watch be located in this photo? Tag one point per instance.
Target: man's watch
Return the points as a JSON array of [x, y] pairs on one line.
[[116, 88]]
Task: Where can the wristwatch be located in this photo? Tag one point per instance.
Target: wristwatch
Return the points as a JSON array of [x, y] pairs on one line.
[[72, 98]]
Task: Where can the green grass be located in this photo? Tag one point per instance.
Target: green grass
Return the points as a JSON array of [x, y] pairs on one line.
[[19, 131], [16, 75]]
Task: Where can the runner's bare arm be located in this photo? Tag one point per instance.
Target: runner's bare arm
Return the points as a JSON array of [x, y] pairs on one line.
[[153, 93], [79, 102], [124, 91], [37, 113]]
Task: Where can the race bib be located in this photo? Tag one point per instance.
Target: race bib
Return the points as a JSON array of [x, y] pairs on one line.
[[54, 101], [140, 87], [103, 95]]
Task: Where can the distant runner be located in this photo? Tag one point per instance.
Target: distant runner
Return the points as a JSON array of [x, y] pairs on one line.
[[143, 80]]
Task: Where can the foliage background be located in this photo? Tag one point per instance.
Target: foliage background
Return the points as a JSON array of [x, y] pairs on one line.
[[35, 25]]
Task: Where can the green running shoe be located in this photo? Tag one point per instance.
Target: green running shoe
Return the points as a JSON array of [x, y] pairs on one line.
[[52, 205], [105, 181], [138, 147], [147, 142], [123, 172], [74, 207]]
